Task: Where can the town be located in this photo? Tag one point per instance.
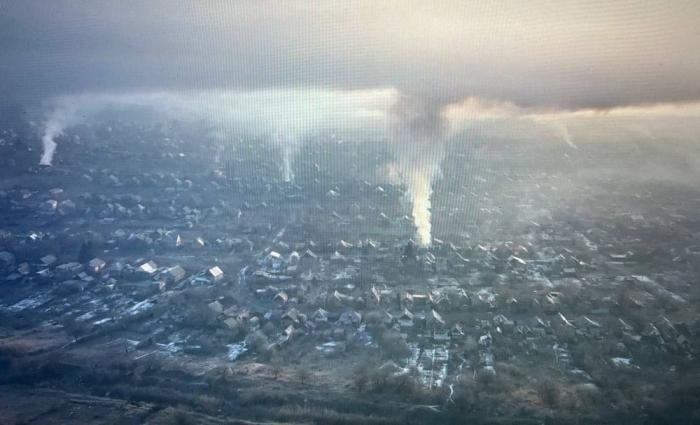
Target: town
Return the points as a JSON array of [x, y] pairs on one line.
[[161, 276]]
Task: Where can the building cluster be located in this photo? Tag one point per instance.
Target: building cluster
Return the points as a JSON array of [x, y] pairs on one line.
[[205, 266]]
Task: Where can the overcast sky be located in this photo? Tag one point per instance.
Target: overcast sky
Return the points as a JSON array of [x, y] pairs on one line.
[[548, 54]]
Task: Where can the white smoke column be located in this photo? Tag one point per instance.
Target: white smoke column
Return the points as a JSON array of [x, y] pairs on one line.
[[299, 117], [419, 174], [287, 117], [288, 149], [287, 154], [419, 145], [53, 129], [65, 111], [556, 125], [58, 119], [564, 129]]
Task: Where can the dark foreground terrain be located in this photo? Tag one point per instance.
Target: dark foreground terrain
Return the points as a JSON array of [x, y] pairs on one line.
[[155, 276]]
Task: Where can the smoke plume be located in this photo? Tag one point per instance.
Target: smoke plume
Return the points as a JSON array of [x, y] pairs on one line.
[[287, 119], [288, 147], [416, 126], [58, 119], [418, 140], [284, 118]]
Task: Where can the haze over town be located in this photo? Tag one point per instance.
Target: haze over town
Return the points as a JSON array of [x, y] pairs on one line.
[[333, 212]]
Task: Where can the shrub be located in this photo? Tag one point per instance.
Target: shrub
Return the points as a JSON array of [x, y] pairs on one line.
[[258, 342], [303, 375], [393, 346], [549, 393], [200, 316], [275, 363]]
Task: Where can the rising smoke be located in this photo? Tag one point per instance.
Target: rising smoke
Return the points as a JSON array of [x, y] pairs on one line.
[[289, 148], [418, 141], [65, 111], [416, 127], [284, 118], [57, 120]]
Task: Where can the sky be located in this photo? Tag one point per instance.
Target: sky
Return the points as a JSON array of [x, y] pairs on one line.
[[542, 55]]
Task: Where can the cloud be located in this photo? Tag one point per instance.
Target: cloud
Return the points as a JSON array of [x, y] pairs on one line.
[[561, 55]]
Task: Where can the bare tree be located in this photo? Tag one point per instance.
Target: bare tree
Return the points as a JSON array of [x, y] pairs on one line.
[[303, 375]]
